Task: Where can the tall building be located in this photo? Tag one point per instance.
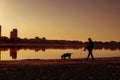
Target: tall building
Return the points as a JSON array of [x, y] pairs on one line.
[[14, 34], [0, 30]]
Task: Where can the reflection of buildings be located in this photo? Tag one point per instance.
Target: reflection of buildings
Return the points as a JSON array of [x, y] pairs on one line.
[[0, 54], [13, 53], [0, 37], [13, 34]]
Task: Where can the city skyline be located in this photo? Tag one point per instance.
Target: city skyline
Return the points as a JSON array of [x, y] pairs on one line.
[[62, 20], [12, 34]]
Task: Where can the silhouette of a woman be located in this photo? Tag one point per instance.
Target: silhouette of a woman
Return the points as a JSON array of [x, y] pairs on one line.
[[89, 47]]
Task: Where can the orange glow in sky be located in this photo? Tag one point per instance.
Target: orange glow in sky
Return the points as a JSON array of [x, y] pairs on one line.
[[62, 19]]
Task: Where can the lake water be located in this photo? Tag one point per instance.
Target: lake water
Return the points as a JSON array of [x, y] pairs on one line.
[[34, 53]]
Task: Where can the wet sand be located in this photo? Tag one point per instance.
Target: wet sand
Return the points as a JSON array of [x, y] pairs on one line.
[[74, 69]]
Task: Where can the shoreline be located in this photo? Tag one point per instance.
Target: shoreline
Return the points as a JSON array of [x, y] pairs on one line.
[[72, 59], [42, 62]]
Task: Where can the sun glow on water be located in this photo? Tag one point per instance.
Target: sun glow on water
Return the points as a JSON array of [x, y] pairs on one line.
[[56, 54]]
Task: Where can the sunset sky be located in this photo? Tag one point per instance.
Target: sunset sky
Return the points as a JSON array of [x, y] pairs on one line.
[[62, 19]]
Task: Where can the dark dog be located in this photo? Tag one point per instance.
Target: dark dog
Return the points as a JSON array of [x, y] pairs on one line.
[[66, 55]]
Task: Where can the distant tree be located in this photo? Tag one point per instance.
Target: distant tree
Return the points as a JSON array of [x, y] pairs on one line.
[[44, 38]]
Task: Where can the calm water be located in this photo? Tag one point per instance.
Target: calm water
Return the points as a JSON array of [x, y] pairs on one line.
[[18, 54]]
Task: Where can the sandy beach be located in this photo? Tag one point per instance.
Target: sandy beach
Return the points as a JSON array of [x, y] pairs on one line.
[[56, 69]]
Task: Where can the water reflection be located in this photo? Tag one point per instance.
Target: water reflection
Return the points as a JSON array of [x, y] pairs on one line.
[[13, 51]]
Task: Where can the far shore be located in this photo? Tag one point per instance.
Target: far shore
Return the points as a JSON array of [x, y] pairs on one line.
[[4, 45]]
